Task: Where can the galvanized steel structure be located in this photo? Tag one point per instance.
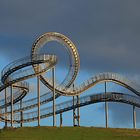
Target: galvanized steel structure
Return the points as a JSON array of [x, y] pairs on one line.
[[12, 107]]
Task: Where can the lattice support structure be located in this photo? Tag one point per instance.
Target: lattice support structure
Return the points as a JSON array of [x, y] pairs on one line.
[[76, 111]]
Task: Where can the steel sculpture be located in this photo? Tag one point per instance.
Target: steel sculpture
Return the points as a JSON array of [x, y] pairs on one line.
[[12, 107]]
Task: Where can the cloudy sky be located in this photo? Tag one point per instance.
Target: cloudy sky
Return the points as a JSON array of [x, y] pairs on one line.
[[106, 32]]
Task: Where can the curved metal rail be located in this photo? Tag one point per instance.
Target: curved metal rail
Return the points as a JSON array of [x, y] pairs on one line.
[[63, 89], [14, 73], [31, 103], [85, 100]]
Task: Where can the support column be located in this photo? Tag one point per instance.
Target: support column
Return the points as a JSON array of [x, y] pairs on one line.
[[5, 107], [38, 94], [61, 120], [134, 117], [78, 110], [21, 114], [106, 106], [74, 112], [11, 105], [53, 79]]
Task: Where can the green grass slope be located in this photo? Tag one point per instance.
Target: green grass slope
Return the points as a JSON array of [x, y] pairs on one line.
[[68, 133]]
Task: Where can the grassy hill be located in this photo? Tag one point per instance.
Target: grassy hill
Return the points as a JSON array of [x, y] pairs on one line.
[[68, 133]]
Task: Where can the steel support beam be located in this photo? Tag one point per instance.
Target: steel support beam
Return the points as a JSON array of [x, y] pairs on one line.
[[134, 117], [38, 94], [53, 79], [21, 114], [5, 107], [78, 110], [74, 123], [11, 105], [61, 119], [106, 106]]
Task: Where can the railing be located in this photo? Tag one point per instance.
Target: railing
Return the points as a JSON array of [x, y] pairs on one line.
[[85, 100]]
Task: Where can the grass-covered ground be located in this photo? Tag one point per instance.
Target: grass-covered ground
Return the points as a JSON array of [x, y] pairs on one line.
[[68, 133]]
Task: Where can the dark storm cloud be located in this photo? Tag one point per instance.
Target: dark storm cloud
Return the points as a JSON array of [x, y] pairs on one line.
[[105, 32]]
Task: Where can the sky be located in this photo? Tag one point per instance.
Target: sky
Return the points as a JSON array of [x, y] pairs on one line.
[[106, 33]]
